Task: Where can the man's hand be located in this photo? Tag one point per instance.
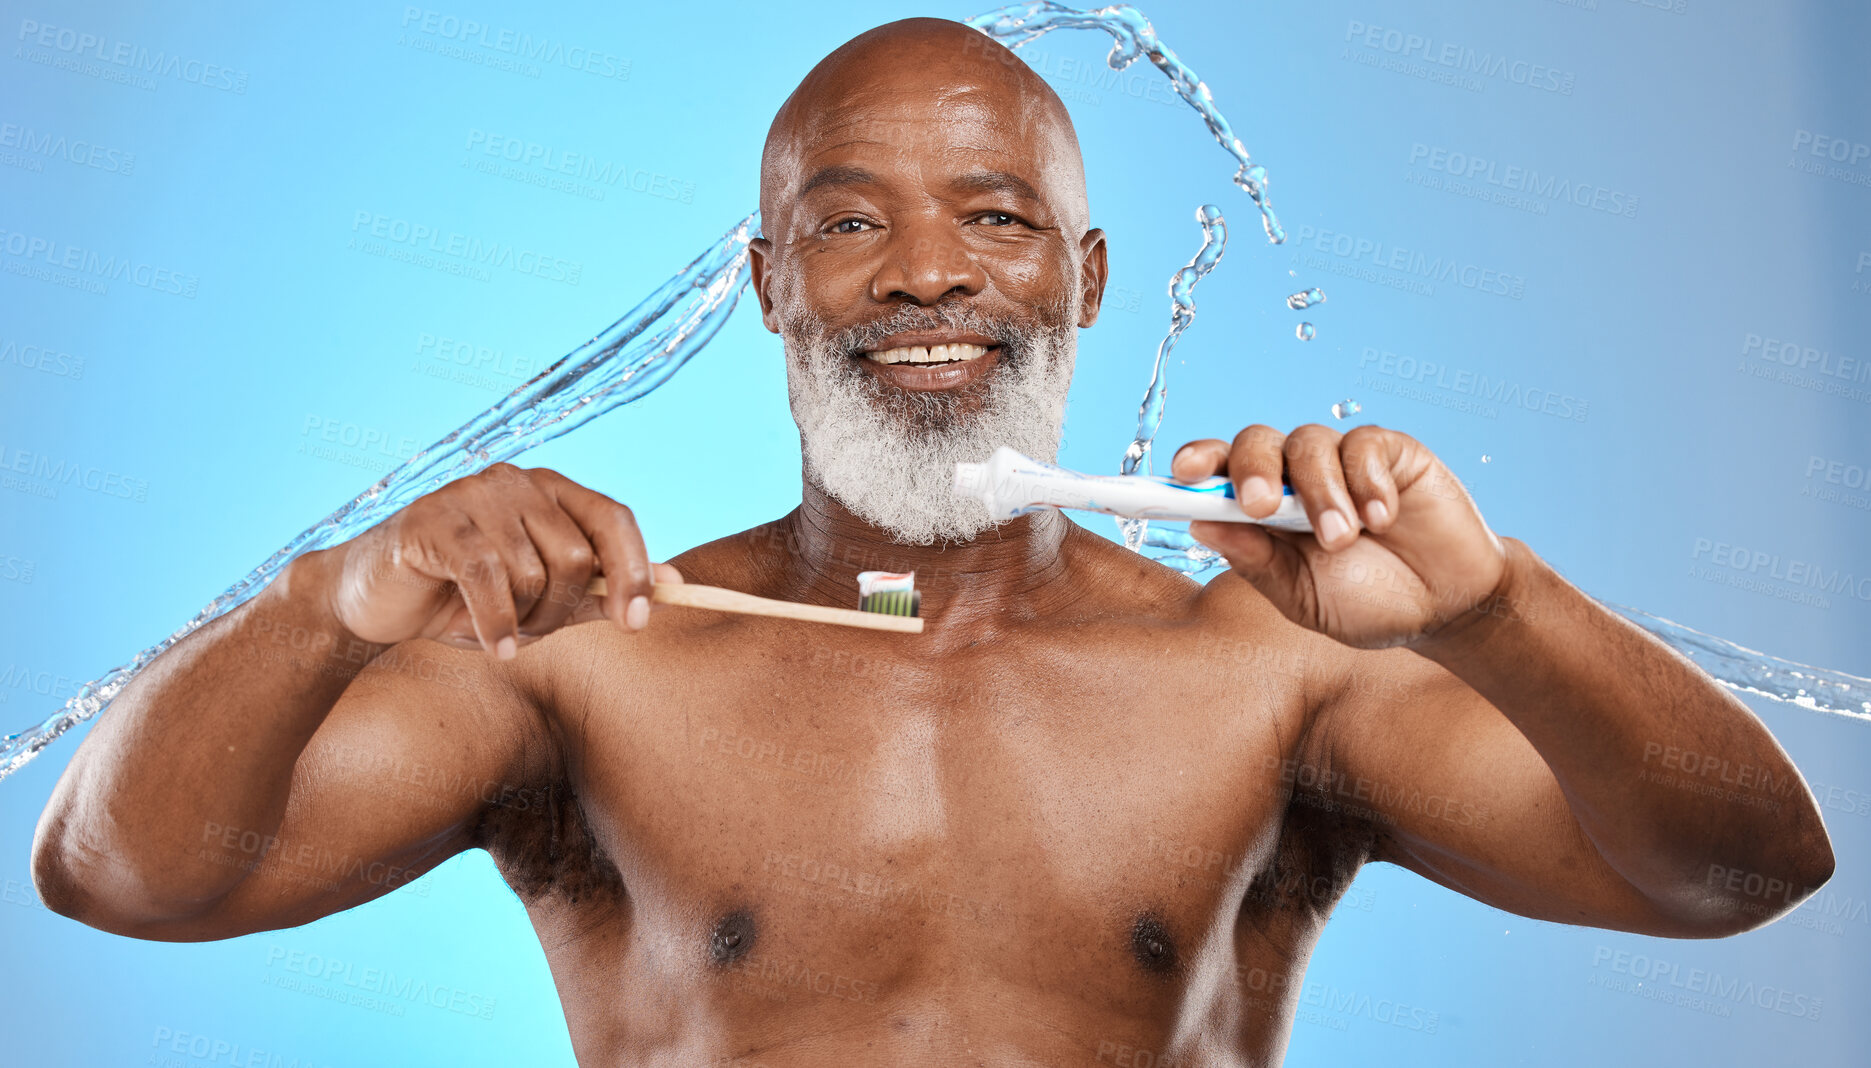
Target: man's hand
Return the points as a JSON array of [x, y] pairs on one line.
[[496, 561], [1424, 557]]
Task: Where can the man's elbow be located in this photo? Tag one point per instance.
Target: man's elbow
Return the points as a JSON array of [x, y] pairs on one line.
[[57, 876], [1732, 899], [1815, 857], [51, 879], [1805, 861], [84, 883]]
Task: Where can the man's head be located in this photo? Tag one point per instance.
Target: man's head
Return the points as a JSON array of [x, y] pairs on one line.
[[926, 258]]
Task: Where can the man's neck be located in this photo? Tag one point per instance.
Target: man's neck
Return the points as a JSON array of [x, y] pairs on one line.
[[1010, 571]]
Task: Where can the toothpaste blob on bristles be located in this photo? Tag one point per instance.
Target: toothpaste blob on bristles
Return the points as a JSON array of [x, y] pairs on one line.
[[888, 592]]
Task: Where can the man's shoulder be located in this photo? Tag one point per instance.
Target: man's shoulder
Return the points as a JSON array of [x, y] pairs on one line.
[[1123, 582], [1224, 623], [733, 559]]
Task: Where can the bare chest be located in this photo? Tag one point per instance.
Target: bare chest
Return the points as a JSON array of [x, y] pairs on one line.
[[1086, 829]]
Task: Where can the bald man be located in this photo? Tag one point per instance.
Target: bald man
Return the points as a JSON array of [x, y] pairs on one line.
[[1095, 813]]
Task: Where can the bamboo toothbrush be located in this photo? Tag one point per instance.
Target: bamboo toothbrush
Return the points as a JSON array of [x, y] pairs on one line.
[[886, 601]]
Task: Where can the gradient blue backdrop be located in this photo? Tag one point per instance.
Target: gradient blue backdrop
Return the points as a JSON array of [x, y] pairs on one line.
[[240, 178]]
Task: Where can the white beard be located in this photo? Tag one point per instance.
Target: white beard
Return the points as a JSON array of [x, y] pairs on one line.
[[889, 454]]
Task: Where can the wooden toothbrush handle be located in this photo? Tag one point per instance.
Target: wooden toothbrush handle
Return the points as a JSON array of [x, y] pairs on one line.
[[692, 595]]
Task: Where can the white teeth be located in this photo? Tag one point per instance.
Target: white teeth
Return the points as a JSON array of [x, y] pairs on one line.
[[929, 354]]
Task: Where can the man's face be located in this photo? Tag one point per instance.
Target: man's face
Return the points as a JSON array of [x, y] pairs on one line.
[[926, 262]]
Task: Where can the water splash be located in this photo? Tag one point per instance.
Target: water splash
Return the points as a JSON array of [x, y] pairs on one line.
[[633, 356], [1738, 667], [653, 340], [1133, 36], [1184, 552], [1346, 408], [1306, 298], [1305, 331], [1181, 314]]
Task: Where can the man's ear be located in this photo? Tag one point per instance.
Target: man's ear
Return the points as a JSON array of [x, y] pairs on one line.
[[1092, 274], [759, 251]]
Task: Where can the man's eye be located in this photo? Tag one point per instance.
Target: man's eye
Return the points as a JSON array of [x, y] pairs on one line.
[[996, 218], [848, 226]]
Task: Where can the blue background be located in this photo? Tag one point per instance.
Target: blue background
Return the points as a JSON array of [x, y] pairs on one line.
[[219, 402]]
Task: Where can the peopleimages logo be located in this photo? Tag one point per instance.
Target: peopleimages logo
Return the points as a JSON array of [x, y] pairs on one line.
[[40, 475], [1458, 59], [1837, 158], [1413, 271], [1794, 364], [1806, 358], [1723, 990], [521, 46], [42, 359], [37, 257], [454, 252], [1740, 562], [1837, 482], [1096, 75], [131, 58], [1456, 382], [578, 165], [1836, 149], [1525, 180], [75, 150]]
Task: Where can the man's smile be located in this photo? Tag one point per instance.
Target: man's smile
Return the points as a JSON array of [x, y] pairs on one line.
[[926, 360], [927, 353]]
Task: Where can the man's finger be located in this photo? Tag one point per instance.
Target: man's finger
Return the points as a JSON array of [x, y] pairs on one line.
[[569, 560], [1255, 464], [1368, 456], [480, 576], [1199, 460], [1318, 479], [622, 557], [1272, 564], [526, 569]]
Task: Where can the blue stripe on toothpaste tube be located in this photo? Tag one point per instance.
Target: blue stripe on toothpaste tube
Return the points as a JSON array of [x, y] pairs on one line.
[[1011, 484]]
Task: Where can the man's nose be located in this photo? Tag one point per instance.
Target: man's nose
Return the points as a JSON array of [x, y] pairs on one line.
[[926, 263]]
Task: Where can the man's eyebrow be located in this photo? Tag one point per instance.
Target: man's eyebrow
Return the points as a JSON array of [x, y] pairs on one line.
[[837, 176], [997, 182]]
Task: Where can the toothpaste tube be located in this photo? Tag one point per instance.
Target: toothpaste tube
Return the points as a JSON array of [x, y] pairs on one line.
[[1011, 484]]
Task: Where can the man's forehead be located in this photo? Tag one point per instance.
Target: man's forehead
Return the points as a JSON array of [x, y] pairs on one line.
[[949, 117], [924, 93], [958, 136], [916, 103]]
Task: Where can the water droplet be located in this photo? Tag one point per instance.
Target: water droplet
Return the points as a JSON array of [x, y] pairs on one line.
[[1306, 298], [1305, 332], [1486, 459], [1346, 408]]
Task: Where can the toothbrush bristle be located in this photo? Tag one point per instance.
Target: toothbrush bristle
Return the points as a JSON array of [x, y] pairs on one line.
[[892, 602], [891, 593]]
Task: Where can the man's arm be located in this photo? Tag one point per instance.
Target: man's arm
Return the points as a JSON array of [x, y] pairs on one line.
[[272, 769], [339, 734], [1548, 757], [1514, 740]]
